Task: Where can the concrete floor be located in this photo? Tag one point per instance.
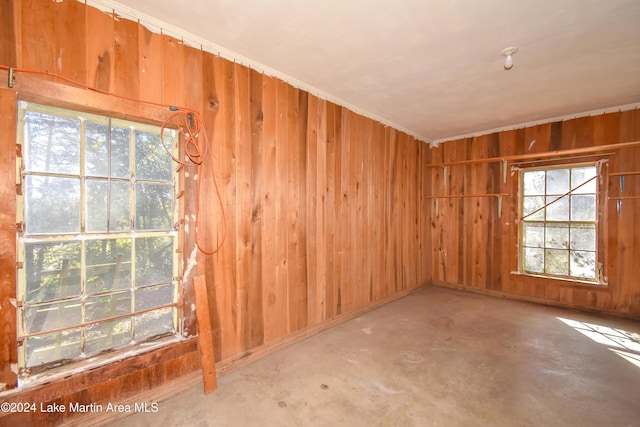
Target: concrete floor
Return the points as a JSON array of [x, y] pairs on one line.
[[438, 357]]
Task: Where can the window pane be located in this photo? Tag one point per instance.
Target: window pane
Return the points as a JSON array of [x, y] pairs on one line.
[[583, 237], [583, 208], [120, 142], [559, 209], [153, 323], [583, 264], [557, 236], [108, 265], [51, 347], [105, 335], [581, 175], [532, 204], [153, 261], [52, 143], [52, 205], [557, 181], [534, 235], [106, 306], [96, 152], [534, 260], [561, 240], [534, 183], [152, 160], [154, 297], [556, 261], [119, 206], [52, 270], [56, 315], [96, 209], [71, 158], [154, 205]]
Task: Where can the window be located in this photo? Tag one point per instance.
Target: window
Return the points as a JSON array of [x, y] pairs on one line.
[[96, 241], [559, 222]]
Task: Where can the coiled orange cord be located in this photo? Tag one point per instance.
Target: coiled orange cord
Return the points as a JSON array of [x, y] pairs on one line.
[[191, 126]]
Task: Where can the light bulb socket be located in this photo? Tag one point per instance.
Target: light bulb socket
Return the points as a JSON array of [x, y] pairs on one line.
[[508, 63], [508, 54]]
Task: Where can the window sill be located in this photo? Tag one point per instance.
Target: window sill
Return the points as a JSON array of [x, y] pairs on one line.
[[91, 363], [564, 281]]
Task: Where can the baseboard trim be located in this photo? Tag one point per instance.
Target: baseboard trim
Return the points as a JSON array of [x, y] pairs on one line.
[[534, 300]]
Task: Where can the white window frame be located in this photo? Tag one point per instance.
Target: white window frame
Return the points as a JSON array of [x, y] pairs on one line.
[[83, 237]]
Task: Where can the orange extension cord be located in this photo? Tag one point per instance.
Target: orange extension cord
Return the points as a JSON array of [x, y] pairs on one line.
[[190, 125]]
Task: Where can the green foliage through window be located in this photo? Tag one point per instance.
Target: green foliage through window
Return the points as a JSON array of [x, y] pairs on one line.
[[98, 246]]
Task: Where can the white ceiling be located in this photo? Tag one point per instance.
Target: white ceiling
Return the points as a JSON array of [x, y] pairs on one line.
[[431, 68]]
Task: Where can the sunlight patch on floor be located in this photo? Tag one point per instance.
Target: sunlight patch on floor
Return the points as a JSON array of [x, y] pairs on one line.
[[623, 343]]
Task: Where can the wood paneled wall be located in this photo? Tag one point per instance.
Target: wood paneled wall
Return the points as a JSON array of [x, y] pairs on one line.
[[475, 249], [324, 210], [324, 213]]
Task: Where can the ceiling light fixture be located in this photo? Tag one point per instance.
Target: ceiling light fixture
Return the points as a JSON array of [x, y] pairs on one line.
[[508, 53]]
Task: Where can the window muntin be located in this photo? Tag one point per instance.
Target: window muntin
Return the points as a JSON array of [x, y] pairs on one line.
[[98, 245], [559, 222]]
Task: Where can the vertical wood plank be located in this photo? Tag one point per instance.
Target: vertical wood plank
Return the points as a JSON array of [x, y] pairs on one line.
[[100, 57], [436, 188], [8, 348], [412, 184], [313, 229], [272, 307], [243, 201], [281, 200], [126, 67], [366, 293], [356, 216], [492, 256], [8, 37], [255, 303], [173, 67], [301, 246], [295, 295], [150, 60], [377, 172], [427, 214], [319, 170], [391, 211], [373, 168], [227, 271], [370, 151], [330, 217], [480, 212], [340, 207], [50, 42], [205, 335], [344, 283], [509, 233]]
